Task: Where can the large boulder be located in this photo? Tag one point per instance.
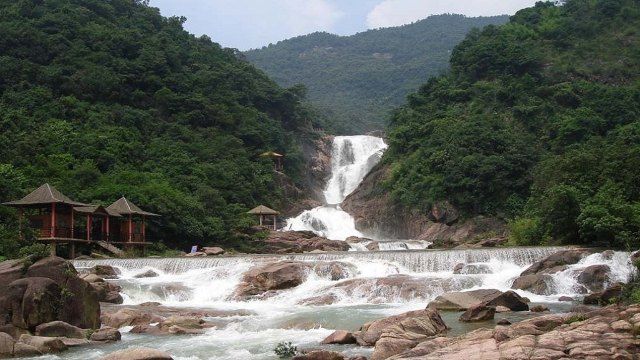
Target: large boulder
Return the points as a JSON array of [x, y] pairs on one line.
[[398, 333], [105, 271], [340, 337], [604, 297], [319, 355], [106, 334], [60, 329], [12, 270], [283, 242], [213, 251], [79, 303], [43, 344], [138, 354], [128, 317], [30, 302], [540, 284], [10, 348], [107, 292], [461, 301], [274, 276], [560, 258], [595, 277], [480, 312]]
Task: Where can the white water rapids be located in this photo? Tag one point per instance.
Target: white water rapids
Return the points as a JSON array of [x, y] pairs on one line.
[[378, 284]]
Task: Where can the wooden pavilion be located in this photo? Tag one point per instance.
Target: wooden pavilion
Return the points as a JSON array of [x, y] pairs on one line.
[[133, 227], [262, 211], [277, 159], [59, 220]]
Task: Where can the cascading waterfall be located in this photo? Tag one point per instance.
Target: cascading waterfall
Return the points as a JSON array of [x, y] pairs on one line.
[[352, 157]]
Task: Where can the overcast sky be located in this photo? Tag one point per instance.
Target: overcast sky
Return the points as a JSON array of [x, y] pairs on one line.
[[246, 24]]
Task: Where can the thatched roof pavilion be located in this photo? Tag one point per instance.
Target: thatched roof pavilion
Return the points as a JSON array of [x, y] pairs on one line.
[[262, 211]]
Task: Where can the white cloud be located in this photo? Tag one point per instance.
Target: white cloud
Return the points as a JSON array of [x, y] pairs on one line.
[[310, 15], [400, 12]]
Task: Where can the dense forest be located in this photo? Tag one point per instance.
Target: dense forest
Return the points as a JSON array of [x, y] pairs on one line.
[[537, 122], [108, 98], [357, 80]]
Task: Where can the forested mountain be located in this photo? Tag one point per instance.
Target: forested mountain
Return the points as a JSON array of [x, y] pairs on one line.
[[357, 80], [537, 122], [109, 98]]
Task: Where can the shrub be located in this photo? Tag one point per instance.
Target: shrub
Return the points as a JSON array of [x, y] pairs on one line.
[[35, 251], [285, 350]]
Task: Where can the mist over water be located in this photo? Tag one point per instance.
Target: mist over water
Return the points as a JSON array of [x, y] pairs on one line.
[[352, 157]]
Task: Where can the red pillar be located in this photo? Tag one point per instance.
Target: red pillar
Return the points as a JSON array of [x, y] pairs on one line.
[[143, 230], [73, 225], [130, 228], [53, 220], [89, 227], [108, 239]]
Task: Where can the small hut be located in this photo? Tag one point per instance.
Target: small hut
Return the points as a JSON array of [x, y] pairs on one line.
[[262, 211], [133, 228], [277, 159]]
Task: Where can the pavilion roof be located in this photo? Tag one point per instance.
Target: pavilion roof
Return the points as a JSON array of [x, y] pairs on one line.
[[262, 210], [125, 207], [271, 154], [96, 209], [45, 194]]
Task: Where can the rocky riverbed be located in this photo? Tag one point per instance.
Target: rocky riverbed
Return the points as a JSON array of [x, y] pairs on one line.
[[375, 305]]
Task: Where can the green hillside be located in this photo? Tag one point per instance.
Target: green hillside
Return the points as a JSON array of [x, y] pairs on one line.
[[357, 80], [538, 122], [105, 98]]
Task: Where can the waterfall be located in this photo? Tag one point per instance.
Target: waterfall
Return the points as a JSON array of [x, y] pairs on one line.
[[352, 157]]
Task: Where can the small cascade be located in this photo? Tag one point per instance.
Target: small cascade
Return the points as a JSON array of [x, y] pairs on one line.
[[352, 157], [408, 276]]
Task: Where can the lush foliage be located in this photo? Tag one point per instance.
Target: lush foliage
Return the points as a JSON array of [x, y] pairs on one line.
[[357, 80], [105, 98], [537, 122]]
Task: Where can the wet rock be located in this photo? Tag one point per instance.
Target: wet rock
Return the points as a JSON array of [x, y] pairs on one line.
[[502, 309], [565, 298], [476, 313], [74, 342], [340, 337], [536, 283], [460, 301], [106, 334], [79, 306], [12, 330], [12, 270], [92, 278], [635, 256], [334, 270], [165, 290], [595, 277], [503, 322], [187, 322], [213, 251], [326, 299], [107, 292], [284, 242], [10, 348], [30, 302], [539, 308], [147, 274], [563, 257], [605, 297], [105, 271], [275, 276], [60, 329], [474, 269], [138, 354], [395, 334], [356, 240], [128, 317], [458, 268], [196, 254], [45, 345], [320, 355], [373, 246]]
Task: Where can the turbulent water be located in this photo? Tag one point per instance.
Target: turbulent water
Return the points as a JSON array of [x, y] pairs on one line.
[[378, 284], [352, 157]]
